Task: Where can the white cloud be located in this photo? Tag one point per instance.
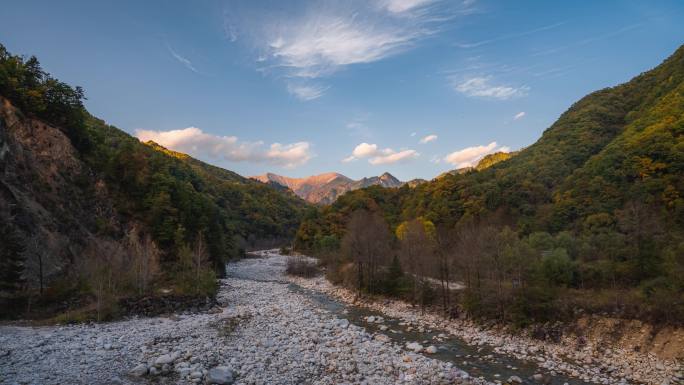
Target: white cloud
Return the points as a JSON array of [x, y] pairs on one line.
[[317, 39], [401, 6], [378, 156], [428, 139], [323, 44], [414, 134], [289, 155], [519, 115], [194, 141], [479, 86], [306, 92], [364, 150], [390, 157], [469, 156], [183, 60]]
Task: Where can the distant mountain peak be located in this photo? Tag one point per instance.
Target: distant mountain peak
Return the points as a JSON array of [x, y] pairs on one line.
[[325, 188], [387, 176]]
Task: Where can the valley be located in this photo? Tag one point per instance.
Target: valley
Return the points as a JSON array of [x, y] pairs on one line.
[[271, 328], [534, 234]]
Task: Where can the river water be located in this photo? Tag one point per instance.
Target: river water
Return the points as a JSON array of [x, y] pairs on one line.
[[478, 361]]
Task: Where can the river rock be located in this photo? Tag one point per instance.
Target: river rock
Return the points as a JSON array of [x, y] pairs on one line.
[[515, 380], [381, 338], [432, 349], [139, 370], [415, 346], [164, 359], [221, 375]]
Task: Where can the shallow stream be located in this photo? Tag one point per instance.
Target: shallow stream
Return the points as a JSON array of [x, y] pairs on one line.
[[478, 361]]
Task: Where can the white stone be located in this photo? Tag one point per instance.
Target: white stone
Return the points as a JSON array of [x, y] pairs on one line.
[[139, 370]]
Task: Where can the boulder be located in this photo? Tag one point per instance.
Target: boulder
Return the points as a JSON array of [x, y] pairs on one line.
[[221, 375]]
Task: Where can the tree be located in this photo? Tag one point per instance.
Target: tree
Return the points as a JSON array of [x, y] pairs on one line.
[[394, 278], [639, 222], [444, 241], [37, 257], [417, 247], [11, 259], [144, 259], [366, 243], [105, 269], [199, 256]]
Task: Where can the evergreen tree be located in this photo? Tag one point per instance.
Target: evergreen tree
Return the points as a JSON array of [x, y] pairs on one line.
[[11, 259]]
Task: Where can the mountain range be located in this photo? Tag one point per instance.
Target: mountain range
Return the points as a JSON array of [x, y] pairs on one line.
[[326, 188]]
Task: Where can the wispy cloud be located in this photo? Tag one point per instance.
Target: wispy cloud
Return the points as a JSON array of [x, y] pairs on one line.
[[402, 6], [519, 115], [324, 44], [377, 156], [469, 156], [428, 139], [484, 87], [590, 39], [326, 37], [306, 92], [181, 59], [194, 141], [510, 36], [359, 128]]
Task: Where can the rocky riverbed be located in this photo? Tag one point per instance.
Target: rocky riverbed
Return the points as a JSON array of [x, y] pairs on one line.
[[584, 360], [261, 332]]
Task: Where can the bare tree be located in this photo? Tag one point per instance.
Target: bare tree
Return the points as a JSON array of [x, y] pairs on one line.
[[144, 255], [104, 268], [444, 243], [417, 247], [37, 256], [199, 256], [366, 243]]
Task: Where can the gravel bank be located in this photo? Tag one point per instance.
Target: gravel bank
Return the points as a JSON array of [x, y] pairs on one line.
[[262, 333]]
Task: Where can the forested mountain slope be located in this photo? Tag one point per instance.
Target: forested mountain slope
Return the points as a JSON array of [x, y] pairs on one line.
[[74, 189], [600, 195]]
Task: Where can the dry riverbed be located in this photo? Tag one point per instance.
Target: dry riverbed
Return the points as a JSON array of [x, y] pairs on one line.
[[262, 332]]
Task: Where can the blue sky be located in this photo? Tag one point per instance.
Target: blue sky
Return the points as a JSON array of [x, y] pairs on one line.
[[413, 87]]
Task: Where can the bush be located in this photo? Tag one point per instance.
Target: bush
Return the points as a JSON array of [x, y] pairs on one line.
[[301, 267]]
